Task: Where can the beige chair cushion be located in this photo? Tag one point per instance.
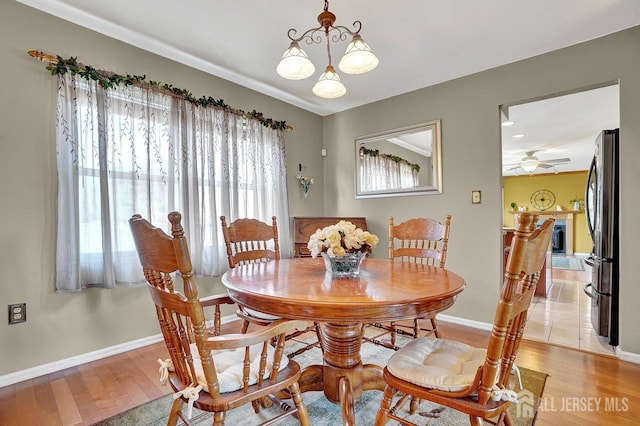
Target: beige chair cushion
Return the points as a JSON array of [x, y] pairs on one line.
[[229, 366], [260, 315], [437, 363]]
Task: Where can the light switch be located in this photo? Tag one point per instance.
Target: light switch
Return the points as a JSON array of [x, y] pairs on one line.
[[475, 197]]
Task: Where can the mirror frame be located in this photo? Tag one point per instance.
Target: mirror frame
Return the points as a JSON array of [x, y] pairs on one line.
[[436, 163]]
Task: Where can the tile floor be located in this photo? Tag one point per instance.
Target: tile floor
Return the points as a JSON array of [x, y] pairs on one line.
[[563, 317]]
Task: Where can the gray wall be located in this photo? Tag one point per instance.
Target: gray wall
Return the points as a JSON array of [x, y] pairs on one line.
[[61, 325], [468, 108]]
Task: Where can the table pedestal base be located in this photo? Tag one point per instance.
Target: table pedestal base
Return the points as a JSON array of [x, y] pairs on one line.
[[343, 378]]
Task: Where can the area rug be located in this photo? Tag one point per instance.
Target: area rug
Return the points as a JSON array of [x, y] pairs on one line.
[[568, 263], [324, 413]]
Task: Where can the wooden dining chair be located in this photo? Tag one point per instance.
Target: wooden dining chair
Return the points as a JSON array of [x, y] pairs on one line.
[[214, 373], [472, 380], [251, 241], [419, 240]]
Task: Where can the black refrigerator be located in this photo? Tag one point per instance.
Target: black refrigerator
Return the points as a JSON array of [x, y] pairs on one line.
[[601, 200]]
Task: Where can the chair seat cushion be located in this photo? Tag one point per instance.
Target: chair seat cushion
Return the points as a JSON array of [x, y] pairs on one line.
[[260, 315], [229, 366], [437, 363]]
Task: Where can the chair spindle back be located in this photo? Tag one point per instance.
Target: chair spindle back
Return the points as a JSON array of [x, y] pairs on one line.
[[524, 263], [420, 240], [250, 241]]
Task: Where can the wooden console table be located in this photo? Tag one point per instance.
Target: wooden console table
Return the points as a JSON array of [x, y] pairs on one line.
[[303, 227]]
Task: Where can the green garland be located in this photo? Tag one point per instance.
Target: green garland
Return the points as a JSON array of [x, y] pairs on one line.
[[375, 153], [109, 80]]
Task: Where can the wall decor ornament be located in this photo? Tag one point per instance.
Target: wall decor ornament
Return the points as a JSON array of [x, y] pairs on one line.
[[543, 199], [304, 180], [305, 183]]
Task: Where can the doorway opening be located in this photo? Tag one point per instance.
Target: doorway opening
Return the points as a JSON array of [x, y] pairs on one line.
[[547, 148]]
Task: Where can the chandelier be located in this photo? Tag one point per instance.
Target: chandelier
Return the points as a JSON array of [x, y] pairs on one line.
[[358, 58], [529, 164]]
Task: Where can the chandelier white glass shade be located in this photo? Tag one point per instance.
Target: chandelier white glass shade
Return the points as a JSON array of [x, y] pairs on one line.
[[329, 85], [530, 164], [358, 58], [295, 64]]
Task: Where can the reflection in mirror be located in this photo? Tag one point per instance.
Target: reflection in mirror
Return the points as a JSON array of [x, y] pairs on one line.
[[399, 162]]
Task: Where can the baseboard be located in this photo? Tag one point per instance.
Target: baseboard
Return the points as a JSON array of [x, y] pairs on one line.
[[30, 373], [467, 322], [622, 355], [627, 356]]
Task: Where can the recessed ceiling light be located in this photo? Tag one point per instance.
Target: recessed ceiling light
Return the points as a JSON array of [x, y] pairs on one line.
[[507, 123], [518, 136]]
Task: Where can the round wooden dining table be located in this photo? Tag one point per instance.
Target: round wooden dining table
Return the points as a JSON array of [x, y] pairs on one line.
[[384, 291]]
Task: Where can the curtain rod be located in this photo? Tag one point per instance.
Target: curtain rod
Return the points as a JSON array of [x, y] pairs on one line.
[[53, 60], [43, 57]]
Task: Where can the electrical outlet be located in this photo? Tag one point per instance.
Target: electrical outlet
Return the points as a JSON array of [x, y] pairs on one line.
[[476, 197], [17, 313]]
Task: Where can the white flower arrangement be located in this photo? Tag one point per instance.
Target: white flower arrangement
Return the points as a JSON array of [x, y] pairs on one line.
[[342, 238], [305, 182]]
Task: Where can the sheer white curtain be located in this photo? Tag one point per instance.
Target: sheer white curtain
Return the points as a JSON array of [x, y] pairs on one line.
[[141, 150], [378, 172]]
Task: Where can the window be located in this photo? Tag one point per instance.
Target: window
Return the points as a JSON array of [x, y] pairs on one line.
[[142, 150]]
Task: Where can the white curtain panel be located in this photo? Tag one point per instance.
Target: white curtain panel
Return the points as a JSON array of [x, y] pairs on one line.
[[378, 173], [142, 150]]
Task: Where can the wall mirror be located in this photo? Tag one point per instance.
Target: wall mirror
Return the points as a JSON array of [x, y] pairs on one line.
[[399, 162]]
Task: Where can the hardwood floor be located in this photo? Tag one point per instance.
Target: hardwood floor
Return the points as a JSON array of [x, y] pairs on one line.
[[582, 388]]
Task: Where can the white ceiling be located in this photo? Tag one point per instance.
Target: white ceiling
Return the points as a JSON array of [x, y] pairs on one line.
[[419, 42], [560, 127]]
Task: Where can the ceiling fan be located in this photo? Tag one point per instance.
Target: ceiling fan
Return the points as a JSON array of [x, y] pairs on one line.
[[530, 163]]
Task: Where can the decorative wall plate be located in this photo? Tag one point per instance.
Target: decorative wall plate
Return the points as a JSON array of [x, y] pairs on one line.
[[543, 199]]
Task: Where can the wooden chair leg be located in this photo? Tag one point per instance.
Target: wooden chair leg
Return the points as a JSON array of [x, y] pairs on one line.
[[475, 421], [434, 325], [392, 334], [401, 402], [173, 414], [303, 414], [506, 419], [218, 418], [245, 326], [385, 405], [416, 328], [319, 335], [413, 405]]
